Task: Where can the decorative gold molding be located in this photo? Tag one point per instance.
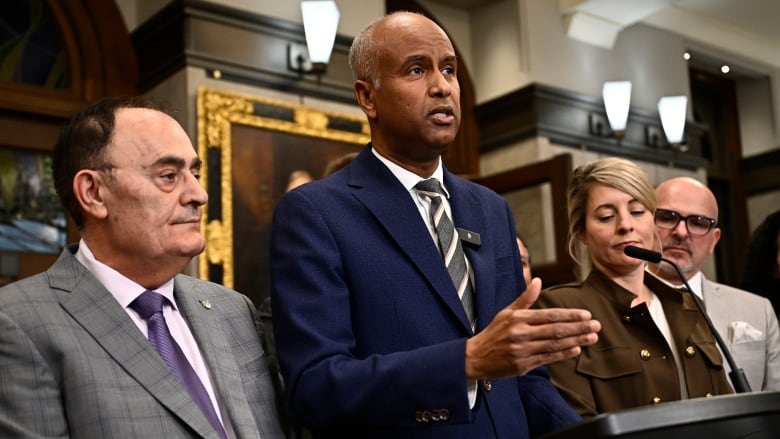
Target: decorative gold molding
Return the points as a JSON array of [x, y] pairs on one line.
[[217, 110]]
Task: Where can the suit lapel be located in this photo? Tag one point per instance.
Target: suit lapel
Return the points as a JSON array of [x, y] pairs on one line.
[[712, 298], [718, 310], [215, 348], [96, 310], [386, 198]]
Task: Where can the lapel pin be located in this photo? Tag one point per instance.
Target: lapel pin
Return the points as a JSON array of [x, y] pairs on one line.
[[205, 302], [470, 237]]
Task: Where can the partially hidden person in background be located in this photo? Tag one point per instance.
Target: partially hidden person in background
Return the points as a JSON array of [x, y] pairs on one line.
[[654, 346], [297, 178], [375, 338], [339, 163], [687, 222], [525, 259], [112, 341], [761, 272]]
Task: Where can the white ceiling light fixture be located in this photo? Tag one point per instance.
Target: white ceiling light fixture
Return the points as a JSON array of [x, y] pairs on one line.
[[617, 100], [320, 23], [672, 110]]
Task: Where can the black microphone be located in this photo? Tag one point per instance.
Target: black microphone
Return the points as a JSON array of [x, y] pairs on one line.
[[737, 375]]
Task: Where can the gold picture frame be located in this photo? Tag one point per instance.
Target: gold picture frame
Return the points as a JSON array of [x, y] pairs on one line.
[[236, 126]]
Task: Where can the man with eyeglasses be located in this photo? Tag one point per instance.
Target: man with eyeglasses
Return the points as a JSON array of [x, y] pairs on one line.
[[686, 220]]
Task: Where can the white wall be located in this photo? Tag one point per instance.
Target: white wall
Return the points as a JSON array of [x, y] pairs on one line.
[[499, 36]]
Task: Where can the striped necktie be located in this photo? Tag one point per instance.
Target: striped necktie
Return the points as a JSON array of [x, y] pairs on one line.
[[449, 245]]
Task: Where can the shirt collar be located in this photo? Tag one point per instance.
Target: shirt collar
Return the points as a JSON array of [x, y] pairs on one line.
[[123, 289], [408, 178], [695, 283]]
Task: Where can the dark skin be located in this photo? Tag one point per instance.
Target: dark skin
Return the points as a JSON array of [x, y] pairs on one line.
[[413, 109], [414, 112]]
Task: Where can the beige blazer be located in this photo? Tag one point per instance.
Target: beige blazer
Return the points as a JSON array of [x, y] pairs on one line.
[[748, 324]]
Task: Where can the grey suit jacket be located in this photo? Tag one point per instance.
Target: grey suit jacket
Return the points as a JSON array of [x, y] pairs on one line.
[[754, 343], [73, 363]]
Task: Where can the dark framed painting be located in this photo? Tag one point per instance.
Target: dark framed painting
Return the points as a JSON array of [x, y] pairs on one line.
[[251, 148]]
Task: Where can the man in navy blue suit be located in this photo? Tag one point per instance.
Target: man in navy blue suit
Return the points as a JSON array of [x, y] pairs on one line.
[[372, 337]]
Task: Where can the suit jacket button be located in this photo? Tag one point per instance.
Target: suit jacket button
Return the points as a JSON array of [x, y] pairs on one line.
[[627, 319], [423, 416], [644, 354], [708, 395], [656, 399], [444, 414], [487, 385], [690, 352]]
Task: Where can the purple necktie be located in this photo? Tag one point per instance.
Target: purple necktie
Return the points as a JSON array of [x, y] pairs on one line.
[[149, 305]]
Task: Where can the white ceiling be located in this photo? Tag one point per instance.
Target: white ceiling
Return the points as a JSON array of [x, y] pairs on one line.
[[749, 29], [760, 18]]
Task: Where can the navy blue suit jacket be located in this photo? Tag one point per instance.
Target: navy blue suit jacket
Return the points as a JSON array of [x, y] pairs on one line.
[[369, 329]]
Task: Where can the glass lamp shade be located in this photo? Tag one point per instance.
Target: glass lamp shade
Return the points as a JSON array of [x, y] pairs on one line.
[[617, 98], [320, 22], [673, 112]]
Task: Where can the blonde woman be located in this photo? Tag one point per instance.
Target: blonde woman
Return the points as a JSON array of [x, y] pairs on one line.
[[654, 346]]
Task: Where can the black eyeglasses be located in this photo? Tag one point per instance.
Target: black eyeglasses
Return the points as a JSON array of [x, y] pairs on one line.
[[696, 224]]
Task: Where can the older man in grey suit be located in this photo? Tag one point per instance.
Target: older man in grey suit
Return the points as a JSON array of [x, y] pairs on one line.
[[686, 220], [75, 360]]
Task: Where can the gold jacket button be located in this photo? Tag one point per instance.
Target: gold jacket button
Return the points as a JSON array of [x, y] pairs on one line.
[[644, 354], [444, 414], [656, 399], [708, 395], [487, 385], [627, 319], [690, 351]]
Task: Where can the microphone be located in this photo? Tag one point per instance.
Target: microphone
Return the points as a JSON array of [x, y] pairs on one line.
[[737, 375]]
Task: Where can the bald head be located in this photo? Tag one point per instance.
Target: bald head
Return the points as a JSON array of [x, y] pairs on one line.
[[688, 198], [687, 188]]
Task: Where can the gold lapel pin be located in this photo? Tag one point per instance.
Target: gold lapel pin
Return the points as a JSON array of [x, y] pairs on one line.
[[205, 302]]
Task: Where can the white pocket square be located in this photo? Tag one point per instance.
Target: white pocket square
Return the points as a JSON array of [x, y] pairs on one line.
[[744, 332]]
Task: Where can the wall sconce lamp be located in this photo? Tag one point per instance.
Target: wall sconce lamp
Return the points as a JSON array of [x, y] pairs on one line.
[[672, 110], [617, 98], [320, 22]]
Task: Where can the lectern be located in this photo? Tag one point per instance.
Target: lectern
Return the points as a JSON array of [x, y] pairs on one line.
[[744, 415]]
